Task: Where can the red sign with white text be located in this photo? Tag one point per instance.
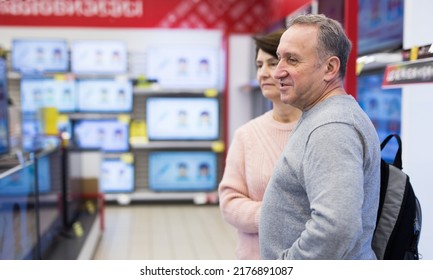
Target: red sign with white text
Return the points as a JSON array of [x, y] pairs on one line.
[[238, 16]]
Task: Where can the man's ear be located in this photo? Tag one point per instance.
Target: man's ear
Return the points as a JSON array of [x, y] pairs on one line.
[[332, 68]]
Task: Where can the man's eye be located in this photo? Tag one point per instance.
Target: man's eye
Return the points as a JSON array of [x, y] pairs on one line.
[[291, 59]]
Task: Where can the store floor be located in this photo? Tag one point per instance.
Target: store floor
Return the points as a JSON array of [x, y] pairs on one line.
[[165, 232]]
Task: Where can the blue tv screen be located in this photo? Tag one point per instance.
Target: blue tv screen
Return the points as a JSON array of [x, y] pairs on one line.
[[31, 56], [31, 137], [182, 118], [107, 135], [4, 125], [104, 95], [99, 57], [380, 25], [18, 222], [182, 171], [383, 106], [117, 175], [39, 93]]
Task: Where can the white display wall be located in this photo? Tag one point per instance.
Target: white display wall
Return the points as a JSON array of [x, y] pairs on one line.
[[417, 117]]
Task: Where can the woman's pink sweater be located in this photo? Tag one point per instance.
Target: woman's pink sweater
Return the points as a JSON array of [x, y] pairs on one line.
[[255, 148]]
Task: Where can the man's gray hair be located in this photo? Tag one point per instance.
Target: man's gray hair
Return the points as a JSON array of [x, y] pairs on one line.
[[332, 40]]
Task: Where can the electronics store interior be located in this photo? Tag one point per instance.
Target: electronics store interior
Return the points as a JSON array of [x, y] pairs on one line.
[[115, 123]]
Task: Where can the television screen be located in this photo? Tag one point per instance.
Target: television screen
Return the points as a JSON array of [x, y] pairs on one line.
[[182, 118], [30, 133], [104, 95], [39, 93], [31, 137], [39, 55], [107, 135], [380, 25], [99, 57], [383, 106], [49, 183], [4, 126], [192, 67], [18, 222], [117, 175], [182, 171]]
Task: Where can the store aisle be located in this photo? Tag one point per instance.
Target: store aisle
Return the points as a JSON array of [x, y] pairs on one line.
[[165, 232]]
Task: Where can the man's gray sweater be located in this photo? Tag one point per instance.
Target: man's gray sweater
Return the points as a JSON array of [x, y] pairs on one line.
[[322, 200]]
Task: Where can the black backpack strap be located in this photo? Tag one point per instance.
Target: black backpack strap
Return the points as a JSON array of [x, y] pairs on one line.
[[397, 159]]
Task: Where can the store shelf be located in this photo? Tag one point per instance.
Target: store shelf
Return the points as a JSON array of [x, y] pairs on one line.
[[173, 145], [95, 116], [13, 75], [155, 90], [150, 196]]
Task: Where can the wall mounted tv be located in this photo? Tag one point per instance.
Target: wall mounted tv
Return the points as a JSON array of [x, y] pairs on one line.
[[37, 93], [31, 56], [182, 118], [109, 135], [104, 95], [182, 170], [99, 57], [383, 106], [117, 174], [4, 125], [184, 67], [380, 26]]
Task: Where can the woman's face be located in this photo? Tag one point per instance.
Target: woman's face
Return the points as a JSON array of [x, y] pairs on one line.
[[266, 64]]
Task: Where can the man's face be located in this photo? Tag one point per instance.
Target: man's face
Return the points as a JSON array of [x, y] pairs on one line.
[[300, 71]]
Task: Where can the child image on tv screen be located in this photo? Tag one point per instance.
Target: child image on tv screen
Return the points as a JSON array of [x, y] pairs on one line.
[[182, 118], [116, 175], [107, 135], [184, 67], [99, 56], [189, 171], [30, 55], [39, 93], [104, 96]]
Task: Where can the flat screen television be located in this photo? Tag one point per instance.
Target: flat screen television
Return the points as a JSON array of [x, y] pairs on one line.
[[109, 135], [31, 138], [49, 176], [4, 124], [30, 56], [182, 118], [184, 67], [380, 25], [18, 221], [99, 57], [104, 95], [383, 106], [38, 93], [117, 175], [182, 170]]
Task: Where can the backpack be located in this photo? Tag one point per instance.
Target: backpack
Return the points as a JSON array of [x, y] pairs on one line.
[[399, 218]]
